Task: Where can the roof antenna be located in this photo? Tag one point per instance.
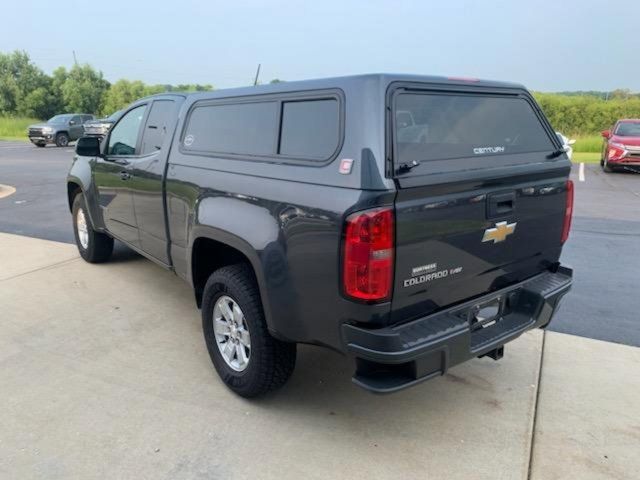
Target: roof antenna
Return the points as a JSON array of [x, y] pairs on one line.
[[255, 81]]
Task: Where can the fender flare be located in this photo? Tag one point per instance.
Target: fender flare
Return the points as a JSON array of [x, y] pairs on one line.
[[84, 189], [242, 246]]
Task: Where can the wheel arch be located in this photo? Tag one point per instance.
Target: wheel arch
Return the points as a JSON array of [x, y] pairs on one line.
[[79, 181], [212, 249], [73, 189]]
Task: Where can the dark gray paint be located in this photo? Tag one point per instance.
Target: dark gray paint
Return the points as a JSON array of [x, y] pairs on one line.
[[287, 217]]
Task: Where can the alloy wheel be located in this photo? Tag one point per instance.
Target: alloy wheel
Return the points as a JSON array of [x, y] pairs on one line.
[[231, 333], [83, 229]]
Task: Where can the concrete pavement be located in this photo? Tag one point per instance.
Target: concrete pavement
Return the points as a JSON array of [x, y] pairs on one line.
[[588, 421], [104, 374]]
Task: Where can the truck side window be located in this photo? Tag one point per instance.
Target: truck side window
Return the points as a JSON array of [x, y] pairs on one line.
[[155, 131], [241, 128], [76, 119], [124, 136], [310, 128]]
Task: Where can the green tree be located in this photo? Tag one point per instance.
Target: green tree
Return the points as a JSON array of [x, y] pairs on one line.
[[83, 89], [121, 94], [587, 114], [23, 86], [190, 87]]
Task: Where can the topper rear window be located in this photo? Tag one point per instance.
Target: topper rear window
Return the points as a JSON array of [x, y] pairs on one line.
[[439, 126]]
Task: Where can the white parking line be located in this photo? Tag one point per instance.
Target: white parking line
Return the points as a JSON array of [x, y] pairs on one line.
[[581, 172]]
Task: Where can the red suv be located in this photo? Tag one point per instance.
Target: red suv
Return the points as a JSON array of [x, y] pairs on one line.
[[621, 145]]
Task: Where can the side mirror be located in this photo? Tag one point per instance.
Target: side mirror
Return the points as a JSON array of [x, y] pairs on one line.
[[88, 147], [72, 122], [606, 133], [571, 142]]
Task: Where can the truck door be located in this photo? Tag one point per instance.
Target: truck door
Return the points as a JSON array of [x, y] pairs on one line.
[[148, 172], [113, 176], [76, 130]]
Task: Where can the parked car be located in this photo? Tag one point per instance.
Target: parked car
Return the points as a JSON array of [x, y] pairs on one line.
[[567, 144], [300, 213], [59, 130], [101, 126], [621, 147]]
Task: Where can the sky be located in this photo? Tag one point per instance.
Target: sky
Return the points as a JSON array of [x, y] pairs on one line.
[[546, 45]]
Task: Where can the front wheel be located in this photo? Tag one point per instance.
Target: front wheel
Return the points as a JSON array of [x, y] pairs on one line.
[[94, 247], [247, 358], [605, 165]]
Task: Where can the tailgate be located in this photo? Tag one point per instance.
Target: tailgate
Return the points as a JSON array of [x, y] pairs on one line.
[[480, 204]]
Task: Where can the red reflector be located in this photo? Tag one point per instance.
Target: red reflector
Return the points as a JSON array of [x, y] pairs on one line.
[[367, 269], [568, 212]]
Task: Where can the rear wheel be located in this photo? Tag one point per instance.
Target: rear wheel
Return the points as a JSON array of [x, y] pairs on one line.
[[248, 359], [94, 247], [62, 139]]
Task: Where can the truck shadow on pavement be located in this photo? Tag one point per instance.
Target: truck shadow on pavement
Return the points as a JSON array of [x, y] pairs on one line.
[[123, 254]]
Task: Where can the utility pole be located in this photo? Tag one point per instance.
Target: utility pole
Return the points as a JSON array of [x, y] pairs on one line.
[[255, 81], [75, 60]]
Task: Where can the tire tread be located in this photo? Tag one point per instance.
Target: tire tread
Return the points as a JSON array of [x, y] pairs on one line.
[[276, 360]]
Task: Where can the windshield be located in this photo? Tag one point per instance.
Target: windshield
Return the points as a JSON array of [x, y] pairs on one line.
[[628, 129], [449, 126], [59, 119]]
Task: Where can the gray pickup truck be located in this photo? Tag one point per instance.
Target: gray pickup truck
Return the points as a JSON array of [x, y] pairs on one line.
[[303, 212], [59, 130]]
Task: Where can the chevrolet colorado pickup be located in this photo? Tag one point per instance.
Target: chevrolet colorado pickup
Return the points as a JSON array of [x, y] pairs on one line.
[[409, 222], [59, 130]]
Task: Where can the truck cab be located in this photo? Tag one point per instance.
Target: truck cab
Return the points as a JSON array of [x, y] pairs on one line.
[[409, 222]]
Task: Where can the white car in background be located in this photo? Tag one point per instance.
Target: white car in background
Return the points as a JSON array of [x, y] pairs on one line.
[[566, 144]]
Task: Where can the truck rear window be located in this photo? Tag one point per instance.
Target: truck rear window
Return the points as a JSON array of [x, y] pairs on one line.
[[432, 126]]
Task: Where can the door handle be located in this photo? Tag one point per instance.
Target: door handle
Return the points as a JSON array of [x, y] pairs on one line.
[[125, 175], [500, 204]]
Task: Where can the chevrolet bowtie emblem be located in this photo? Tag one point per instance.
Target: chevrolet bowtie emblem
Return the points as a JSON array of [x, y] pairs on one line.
[[499, 233]]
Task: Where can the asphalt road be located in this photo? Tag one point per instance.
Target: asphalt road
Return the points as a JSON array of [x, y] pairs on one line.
[[603, 248]]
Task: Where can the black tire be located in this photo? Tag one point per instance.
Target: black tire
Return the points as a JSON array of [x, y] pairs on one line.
[[41, 145], [62, 139], [605, 166], [100, 245], [271, 361]]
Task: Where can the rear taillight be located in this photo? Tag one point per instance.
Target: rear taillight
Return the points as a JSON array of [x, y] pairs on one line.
[[368, 251], [568, 212]]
